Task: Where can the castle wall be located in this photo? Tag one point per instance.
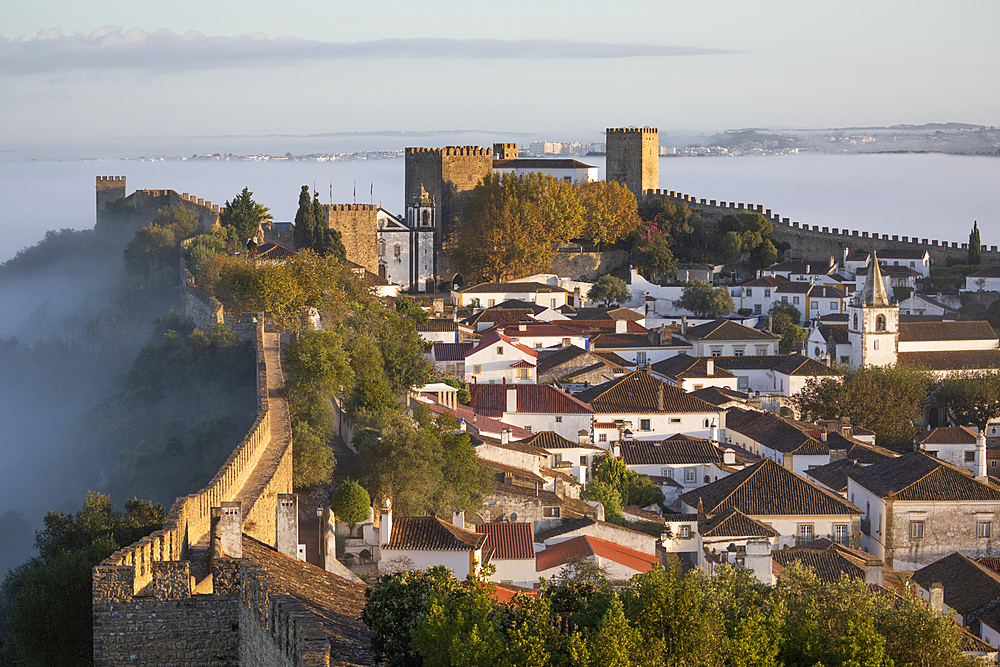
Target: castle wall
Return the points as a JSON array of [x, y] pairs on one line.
[[587, 265], [109, 189], [813, 241], [358, 226]]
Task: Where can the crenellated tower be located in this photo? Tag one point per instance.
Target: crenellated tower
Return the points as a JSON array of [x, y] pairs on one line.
[[633, 158], [109, 189], [873, 322]]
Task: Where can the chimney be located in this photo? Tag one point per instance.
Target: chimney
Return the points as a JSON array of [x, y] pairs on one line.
[[758, 559], [937, 598], [616, 450], [231, 529], [710, 366], [511, 399], [833, 262], [823, 435], [621, 326], [522, 327], [599, 511], [873, 572], [287, 522], [846, 250], [458, 519], [385, 523], [981, 457], [583, 437], [715, 432], [454, 314], [659, 399], [577, 298], [728, 457], [505, 436], [684, 324]]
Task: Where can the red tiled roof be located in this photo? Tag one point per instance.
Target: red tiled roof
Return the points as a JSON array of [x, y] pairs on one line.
[[935, 331], [271, 250], [686, 451], [551, 440], [491, 400], [585, 546], [639, 392], [950, 435], [543, 329], [451, 351], [521, 363], [727, 330], [734, 523], [492, 337], [597, 326], [432, 534], [616, 341], [478, 421], [917, 476], [509, 540], [951, 359]]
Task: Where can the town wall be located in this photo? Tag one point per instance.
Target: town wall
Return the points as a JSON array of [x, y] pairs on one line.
[[146, 203], [633, 158], [198, 305], [109, 189], [358, 226], [587, 265], [815, 242]]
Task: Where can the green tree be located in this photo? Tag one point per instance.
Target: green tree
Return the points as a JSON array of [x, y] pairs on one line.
[[973, 399], [51, 620], [610, 211], [885, 400], [653, 256], [752, 228], [609, 289], [731, 245], [703, 300], [975, 245], [305, 221], [327, 241], [765, 254], [782, 314], [351, 503], [152, 253], [245, 215], [607, 495]]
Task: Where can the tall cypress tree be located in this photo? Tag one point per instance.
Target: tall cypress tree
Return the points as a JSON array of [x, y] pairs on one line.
[[975, 247], [305, 221]]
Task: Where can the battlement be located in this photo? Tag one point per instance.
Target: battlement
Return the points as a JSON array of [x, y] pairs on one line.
[[453, 151], [505, 151], [105, 181], [184, 197], [633, 130], [812, 240], [350, 207]]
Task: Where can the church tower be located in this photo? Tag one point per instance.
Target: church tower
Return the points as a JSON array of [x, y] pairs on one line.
[[873, 322]]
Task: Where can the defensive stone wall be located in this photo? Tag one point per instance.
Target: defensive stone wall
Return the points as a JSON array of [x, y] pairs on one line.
[[587, 265], [814, 242], [357, 224], [146, 203], [633, 157], [201, 307]]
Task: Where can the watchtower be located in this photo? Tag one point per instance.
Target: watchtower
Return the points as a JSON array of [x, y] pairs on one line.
[[504, 151], [633, 158], [357, 226], [109, 189]]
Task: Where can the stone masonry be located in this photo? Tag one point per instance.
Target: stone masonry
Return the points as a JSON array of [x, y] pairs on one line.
[[357, 226], [633, 158]]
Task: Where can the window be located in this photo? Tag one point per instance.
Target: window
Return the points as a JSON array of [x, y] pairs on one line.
[[565, 342], [698, 387], [556, 459], [749, 291], [784, 299], [985, 529], [767, 291], [912, 265], [833, 305], [667, 472], [449, 369], [396, 251], [550, 512], [805, 533], [528, 428], [552, 303], [916, 530], [761, 350], [490, 303], [538, 345], [559, 419], [603, 437], [706, 423], [675, 420], [523, 373], [716, 351], [640, 358], [880, 323], [690, 474], [970, 456], [845, 360], [795, 300], [381, 248], [757, 309], [842, 534], [814, 305], [855, 321], [499, 350], [875, 344], [644, 425], [685, 533], [738, 351], [477, 369]]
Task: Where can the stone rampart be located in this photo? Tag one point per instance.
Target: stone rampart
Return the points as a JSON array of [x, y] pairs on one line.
[[357, 224], [148, 202], [815, 242], [190, 517], [201, 307], [587, 265]]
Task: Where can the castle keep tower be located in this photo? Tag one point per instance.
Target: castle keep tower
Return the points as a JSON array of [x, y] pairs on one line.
[[504, 151], [873, 323], [447, 175], [109, 189], [633, 158]]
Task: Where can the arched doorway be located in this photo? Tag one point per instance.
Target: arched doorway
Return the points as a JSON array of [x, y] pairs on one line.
[[934, 417]]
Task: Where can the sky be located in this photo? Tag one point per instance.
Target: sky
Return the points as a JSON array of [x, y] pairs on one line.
[[76, 71]]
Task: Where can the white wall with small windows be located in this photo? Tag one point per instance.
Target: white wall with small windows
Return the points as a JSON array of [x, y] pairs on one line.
[[495, 363], [689, 475], [656, 426]]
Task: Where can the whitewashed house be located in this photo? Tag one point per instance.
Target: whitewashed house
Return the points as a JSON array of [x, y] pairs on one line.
[[495, 358], [512, 550], [535, 407]]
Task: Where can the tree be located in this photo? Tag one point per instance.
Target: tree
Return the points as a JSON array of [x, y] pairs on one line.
[[782, 314], [305, 221], [975, 245], [608, 496], [885, 400], [652, 255], [972, 400], [351, 503], [731, 245], [609, 289], [610, 211], [752, 228], [703, 300], [765, 254], [152, 252], [244, 215]]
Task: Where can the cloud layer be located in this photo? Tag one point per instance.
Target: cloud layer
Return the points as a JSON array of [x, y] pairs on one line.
[[110, 48]]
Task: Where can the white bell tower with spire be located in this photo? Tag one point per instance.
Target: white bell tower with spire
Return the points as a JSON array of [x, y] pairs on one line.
[[873, 322]]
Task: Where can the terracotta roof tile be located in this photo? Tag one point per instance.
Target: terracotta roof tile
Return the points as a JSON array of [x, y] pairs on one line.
[[486, 288], [767, 489], [834, 474], [951, 359], [968, 586], [950, 435], [679, 451], [935, 331], [639, 392], [490, 400], [432, 534], [917, 476], [451, 351], [585, 546], [774, 432], [508, 541], [734, 523], [548, 440], [682, 366], [727, 330]]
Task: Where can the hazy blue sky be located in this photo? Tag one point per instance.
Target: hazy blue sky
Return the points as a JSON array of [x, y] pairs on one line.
[[74, 70]]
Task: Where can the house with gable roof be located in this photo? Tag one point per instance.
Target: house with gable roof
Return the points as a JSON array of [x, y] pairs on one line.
[[687, 462], [496, 359], [987, 280], [535, 407], [769, 436], [918, 509], [834, 474], [571, 528], [512, 552], [832, 561], [956, 445], [540, 335], [725, 338], [781, 375], [620, 562], [795, 508], [646, 408], [575, 457], [575, 369], [422, 542], [971, 591], [693, 373], [487, 295]]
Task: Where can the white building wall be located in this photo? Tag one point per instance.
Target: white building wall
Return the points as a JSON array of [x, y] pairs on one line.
[[569, 427], [874, 510], [516, 571], [665, 425], [496, 368], [457, 561]]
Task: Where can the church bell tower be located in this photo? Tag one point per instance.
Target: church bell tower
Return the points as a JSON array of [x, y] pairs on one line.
[[873, 322]]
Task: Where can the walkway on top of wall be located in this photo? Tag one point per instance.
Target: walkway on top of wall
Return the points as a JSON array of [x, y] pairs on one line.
[[267, 465]]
